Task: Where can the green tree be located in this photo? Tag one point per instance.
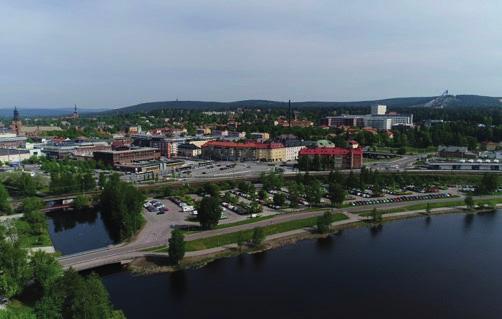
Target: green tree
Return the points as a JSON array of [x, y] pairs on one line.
[[254, 208], [295, 192], [469, 202], [324, 222], [241, 241], [82, 202], [122, 207], [376, 216], [102, 180], [314, 192], [279, 199], [5, 207], [258, 236], [336, 194], [428, 209], [32, 204], [488, 184], [211, 189], [46, 269], [14, 268], [209, 212], [176, 246]]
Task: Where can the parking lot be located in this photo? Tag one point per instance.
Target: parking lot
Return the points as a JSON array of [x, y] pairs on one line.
[[398, 199], [230, 168]]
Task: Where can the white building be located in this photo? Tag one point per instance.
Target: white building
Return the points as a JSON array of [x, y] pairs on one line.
[[379, 123], [378, 109], [291, 153]]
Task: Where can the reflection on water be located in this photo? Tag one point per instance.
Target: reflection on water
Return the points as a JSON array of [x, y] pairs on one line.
[[411, 271], [76, 231], [325, 244], [376, 229], [468, 219], [178, 284]]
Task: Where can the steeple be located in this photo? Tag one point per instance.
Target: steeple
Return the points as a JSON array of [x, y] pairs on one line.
[[75, 112], [16, 114], [16, 122]]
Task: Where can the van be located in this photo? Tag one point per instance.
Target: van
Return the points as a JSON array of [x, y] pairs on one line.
[[187, 208]]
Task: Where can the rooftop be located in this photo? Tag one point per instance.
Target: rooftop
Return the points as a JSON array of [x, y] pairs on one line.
[[331, 151], [224, 144]]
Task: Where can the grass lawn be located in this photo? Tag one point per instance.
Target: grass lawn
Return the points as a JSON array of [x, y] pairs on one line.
[[216, 241]]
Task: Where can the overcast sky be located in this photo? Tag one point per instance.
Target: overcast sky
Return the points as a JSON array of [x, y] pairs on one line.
[[100, 53]]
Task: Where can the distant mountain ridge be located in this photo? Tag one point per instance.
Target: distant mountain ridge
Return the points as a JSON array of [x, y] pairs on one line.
[[450, 101], [33, 112]]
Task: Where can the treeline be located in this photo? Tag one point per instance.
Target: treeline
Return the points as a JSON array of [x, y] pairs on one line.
[[122, 206], [71, 182], [23, 183], [58, 294]]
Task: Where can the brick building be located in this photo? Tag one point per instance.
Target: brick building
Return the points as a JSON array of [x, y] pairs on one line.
[[329, 158]]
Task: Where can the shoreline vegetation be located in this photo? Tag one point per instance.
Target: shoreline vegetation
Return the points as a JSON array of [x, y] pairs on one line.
[[288, 233]]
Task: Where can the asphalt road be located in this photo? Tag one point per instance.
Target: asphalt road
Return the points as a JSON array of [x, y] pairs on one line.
[[99, 257]]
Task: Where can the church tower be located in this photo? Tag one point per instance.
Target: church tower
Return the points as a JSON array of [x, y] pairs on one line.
[[75, 113], [16, 122]]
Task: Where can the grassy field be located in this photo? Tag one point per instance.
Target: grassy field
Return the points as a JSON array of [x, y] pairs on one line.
[[231, 238]]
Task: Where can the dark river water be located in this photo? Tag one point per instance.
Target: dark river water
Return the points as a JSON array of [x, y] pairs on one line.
[[448, 267], [73, 232]]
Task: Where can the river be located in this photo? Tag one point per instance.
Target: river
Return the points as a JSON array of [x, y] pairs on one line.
[[73, 232], [447, 267]]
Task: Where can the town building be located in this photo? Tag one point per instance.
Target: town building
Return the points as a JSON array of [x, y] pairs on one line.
[[261, 137], [8, 155], [478, 165], [11, 140], [219, 133], [248, 151], [166, 146], [291, 152], [203, 131], [189, 150], [236, 134], [455, 152], [379, 119], [114, 158], [329, 158]]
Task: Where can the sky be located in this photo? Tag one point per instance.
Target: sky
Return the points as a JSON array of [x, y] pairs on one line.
[[113, 53]]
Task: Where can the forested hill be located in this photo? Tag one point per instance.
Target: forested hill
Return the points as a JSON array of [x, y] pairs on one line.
[[451, 101]]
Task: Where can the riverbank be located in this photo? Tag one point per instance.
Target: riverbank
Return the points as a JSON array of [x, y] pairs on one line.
[[158, 261]]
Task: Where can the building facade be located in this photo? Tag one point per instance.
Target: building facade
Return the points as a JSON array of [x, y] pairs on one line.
[[249, 151], [330, 158], [114, 158]]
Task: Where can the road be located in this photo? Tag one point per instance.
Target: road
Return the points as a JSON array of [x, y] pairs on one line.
[[119, 253]]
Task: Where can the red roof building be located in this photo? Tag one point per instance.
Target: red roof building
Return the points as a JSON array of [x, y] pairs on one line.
[[328, 158]]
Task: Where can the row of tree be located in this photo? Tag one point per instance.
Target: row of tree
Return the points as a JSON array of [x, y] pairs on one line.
[[63, 294], [122, 207]]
